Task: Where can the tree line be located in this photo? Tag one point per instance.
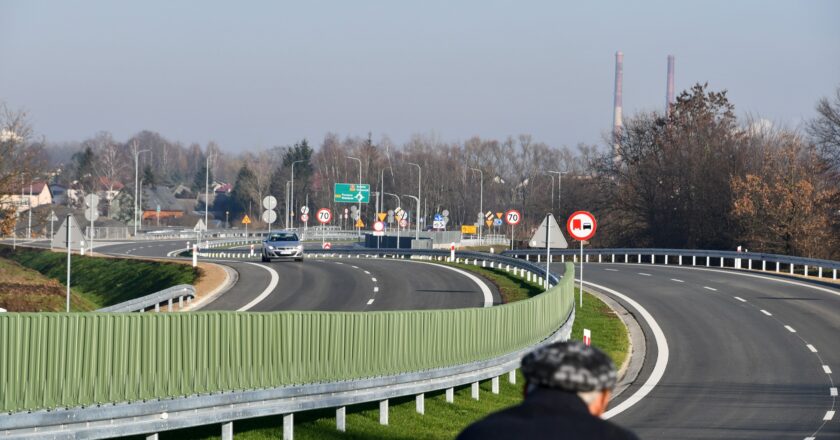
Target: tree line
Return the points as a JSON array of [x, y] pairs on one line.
[[696, 176]]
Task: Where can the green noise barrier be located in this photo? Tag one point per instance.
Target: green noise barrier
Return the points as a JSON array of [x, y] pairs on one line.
[[66, 360]]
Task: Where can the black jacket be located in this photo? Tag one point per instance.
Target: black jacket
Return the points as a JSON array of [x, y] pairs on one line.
[[545, 414]]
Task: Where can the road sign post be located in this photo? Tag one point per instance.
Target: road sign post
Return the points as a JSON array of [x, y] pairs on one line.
[[323, 216], [581, 226], [269, 203], [68, 260], [91, 213]]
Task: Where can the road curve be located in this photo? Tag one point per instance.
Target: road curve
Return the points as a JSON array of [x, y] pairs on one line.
[[741, 353]]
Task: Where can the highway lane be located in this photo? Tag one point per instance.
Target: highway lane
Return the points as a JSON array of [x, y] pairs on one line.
[[734, 371]]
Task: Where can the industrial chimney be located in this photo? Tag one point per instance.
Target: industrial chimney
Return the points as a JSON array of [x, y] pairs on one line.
[[669, 93], [619, 73]]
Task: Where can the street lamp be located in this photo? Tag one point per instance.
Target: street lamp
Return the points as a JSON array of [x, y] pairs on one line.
[[559, 187], [419, 182], [399, 204], [480, 203], [207, 189], [227, 223], [136, 184], [293, 189], [382, 186], [416, 199], [360, 182], [288, 204]]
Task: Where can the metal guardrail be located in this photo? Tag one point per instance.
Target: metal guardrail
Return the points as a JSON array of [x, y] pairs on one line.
[[179, 292], [164, 403], [727, 259]]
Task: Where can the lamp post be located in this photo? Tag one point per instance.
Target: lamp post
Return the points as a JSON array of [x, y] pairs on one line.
[[29, 225], [141, 206], [416, 199], [360, 182], [419, 182], [288, 204], [399, 204], [559, 187], [136, 184], [480, 203], [382, 187], [292, 196], [227, 222], [207, 189]]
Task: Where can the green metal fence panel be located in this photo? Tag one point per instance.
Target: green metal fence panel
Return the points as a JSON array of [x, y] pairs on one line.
[[51, 360]]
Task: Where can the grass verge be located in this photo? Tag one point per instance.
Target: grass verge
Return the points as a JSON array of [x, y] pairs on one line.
[[442, 420], [101, 282], [26, 290]]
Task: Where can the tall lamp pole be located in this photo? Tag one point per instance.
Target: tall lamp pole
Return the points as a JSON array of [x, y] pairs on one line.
[[559, 187], [416, 199], [137, 185], [360, 182], [399, 204], [419, 182], [292, 197], [480, 203], [207, 189]]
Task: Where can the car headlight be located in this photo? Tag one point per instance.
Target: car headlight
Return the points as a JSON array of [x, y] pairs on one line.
[[271, 247], [299, 247]]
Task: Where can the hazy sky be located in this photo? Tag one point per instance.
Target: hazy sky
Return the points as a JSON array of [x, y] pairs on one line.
[[257, 74]]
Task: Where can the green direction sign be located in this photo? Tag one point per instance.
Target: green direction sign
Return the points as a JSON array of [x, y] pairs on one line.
[[352, 193]]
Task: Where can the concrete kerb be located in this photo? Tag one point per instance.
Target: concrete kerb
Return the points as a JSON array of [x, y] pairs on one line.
[[231, 277]]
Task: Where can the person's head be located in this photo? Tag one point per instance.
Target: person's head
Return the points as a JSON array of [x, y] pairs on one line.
[[572, 367]]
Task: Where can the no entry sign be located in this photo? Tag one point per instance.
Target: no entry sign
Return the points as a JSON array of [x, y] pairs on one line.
[[581, 225]]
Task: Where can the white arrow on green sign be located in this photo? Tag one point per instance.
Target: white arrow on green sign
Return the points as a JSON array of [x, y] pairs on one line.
[[352, 193]]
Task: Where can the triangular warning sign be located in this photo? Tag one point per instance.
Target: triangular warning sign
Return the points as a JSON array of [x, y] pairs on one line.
[[556, 238], [488, 222], [59, 240], [200, 226], [360, 223], [381, 216], [245, 220], [499, 214]]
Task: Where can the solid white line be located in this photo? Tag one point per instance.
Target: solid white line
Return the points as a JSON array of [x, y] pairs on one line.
[[662, 354], [644, 274], [828, 415], [812, 348], [370, 301], [790, 329], [766, 312], [375, 289], [710, 288], [827, 369], [373, 279], [612, 270], [271, 285], [677, 281], [832, 391], [740, 299]]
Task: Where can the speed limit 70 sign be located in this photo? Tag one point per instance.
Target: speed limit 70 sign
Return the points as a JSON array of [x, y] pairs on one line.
[[324, 215], [513, 217]]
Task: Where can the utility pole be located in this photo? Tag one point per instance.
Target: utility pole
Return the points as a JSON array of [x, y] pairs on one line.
[[419, 183], [206, 189], [360, 182], [480, 204], [399, 204], [136, 171], [29, 225], [293, 189], [559, 189]]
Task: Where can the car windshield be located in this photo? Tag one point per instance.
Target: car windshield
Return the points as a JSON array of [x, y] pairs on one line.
[[282, 236]]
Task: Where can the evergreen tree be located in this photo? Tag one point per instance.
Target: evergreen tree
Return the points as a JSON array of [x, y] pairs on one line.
[[244, 192]]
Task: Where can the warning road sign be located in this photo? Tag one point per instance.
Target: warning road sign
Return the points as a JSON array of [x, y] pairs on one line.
[[581, 225], [381, 216], [246, 220], [360, 223]]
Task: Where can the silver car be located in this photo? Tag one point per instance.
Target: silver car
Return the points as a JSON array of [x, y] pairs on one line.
[[282, 244]]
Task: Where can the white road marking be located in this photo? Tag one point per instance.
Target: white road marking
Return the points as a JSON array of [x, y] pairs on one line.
[[812, 348], [367, 272], [612, 270], [271, 285], [790, 329], [740, 299], [832, 391], [662, 354], [766, 312], [354, 267], [677, 281], [828, 415], [810, 438], [370, 301], [827, 369], [375, 289], [710, 288], [373, 279], [644, 274]]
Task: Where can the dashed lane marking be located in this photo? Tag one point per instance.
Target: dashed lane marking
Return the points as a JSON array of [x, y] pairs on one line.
[[790, 329], [740, 299], [710, 288], [832, 391], [677, 281], [367, 272], [375, 289], [370, 301], [612, 270], [827, 369], [644, 274], [766, 312], [828, 415], [812, 348], [373, 279]]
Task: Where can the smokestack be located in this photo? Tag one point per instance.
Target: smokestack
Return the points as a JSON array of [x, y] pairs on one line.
[[669, 93], [619, 73]]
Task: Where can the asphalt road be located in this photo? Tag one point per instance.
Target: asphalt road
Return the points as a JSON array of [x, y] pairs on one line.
[[739, 363]]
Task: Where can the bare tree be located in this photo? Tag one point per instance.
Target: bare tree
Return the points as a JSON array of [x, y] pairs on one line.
[[825, 130]]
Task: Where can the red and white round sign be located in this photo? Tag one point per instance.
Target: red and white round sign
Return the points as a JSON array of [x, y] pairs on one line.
[[304, 217], [581, 225], [324, 215], [513, 217], [378, 226], [403, 223], [327, 245]]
